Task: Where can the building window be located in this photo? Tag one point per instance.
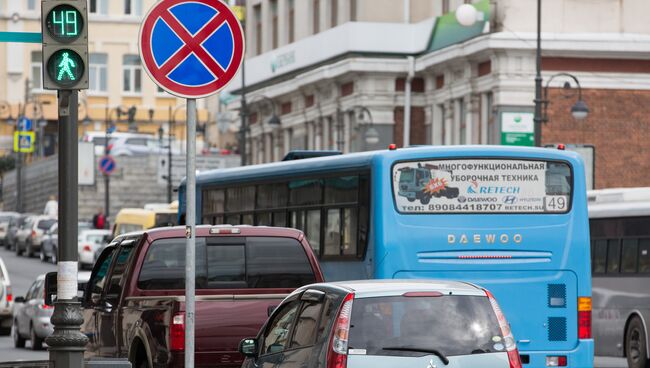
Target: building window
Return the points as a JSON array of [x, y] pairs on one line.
[[97, 73], [274, 24], [132, 74], [445, 6], [492, 128], [315, 16], [257, 19], [353, 10], [133, 7], [292, 21], [334, 13], [98, 7], [37, 71]]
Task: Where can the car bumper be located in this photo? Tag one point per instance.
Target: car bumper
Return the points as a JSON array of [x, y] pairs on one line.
[[42, 326], [86, 258]]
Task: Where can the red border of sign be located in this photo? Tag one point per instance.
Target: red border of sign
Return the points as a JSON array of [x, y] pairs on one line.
[[165, 82], [110, 158]]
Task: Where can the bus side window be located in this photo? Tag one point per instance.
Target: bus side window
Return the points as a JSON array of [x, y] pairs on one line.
[[629, 255], [599, 254], [613, 256], [644, 256]]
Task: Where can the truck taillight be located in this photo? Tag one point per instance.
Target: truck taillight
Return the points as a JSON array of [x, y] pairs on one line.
[[337, 356], [584, 317], [177, 332], [508, 339]]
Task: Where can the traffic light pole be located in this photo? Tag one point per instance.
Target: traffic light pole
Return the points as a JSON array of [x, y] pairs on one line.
[[66, 344]]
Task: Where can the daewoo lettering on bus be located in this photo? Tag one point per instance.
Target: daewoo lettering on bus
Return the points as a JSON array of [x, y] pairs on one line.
[[420, 213]]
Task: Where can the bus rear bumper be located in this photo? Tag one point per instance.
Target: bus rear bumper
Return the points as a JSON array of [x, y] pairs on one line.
[[580, 357]]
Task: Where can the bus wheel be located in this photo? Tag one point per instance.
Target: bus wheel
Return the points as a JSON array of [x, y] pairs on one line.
[[635, 345]]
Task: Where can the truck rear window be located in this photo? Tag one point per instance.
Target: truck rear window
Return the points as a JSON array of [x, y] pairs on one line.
[[228, 263], [451, 324]]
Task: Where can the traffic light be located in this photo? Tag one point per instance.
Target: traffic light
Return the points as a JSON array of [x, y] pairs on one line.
[[64, 28]]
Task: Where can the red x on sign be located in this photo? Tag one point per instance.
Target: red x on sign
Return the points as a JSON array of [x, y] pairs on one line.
[[191, 48]]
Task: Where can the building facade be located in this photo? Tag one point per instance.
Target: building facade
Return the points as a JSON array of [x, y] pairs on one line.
[[117, 79], [335, 74]]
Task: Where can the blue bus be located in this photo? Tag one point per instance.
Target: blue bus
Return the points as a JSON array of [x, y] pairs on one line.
[[511, 219]]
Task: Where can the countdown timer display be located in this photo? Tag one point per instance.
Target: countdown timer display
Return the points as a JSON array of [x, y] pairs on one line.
[[64, 23]]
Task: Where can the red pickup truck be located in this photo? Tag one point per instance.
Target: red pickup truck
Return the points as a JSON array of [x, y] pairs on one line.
[[134, 301]]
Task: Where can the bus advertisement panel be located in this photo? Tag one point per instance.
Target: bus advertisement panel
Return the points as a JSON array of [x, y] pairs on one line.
[[481, 186]]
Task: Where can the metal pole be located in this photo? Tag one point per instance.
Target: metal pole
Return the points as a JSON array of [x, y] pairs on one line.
[[66, 344], [107, 180], [538, 79], [243, 113], [169, 157], [190, 225]]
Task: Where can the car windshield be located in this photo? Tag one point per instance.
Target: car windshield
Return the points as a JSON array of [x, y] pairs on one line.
[[406, 175], [409, 326], [45, 224]]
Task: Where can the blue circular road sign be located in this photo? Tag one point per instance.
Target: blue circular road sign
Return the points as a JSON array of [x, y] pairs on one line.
[[107, 165]]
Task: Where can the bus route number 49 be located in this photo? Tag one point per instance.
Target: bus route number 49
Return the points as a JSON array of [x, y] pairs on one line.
[[555, 203]]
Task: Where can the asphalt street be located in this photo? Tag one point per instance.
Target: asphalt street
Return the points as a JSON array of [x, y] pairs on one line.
[[23, 271]]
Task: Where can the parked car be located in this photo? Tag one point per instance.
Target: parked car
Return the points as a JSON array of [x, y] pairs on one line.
[[12, 231], [385, 323], [29, 237], [133, 303], [6, 218], [6, 300], [90, 242], [32, 316]]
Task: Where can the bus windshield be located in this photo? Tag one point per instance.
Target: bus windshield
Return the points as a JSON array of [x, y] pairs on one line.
[[482, 186]]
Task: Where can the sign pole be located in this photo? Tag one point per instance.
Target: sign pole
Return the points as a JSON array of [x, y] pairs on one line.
[[66, 344], [190, 227]]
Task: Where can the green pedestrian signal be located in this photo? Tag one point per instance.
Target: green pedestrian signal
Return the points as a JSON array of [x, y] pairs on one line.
[[65, 44], [65, 67]]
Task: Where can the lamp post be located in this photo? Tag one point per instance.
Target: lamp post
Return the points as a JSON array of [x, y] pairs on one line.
[[579, 110], [371, 135], [172, 122], [109, 125]]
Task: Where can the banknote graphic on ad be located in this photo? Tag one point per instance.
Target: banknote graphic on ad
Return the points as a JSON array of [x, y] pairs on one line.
[[482, 186]]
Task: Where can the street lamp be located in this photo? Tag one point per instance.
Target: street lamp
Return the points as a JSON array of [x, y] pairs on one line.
[[579, 110]]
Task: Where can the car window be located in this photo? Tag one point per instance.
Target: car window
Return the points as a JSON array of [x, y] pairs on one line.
[[137, 141], [262, 262], [306, 324], [30, 292], [121, 264], [95, 238], [277, 333], [275, 262], [97, 282], [45, 224], [453, 324]]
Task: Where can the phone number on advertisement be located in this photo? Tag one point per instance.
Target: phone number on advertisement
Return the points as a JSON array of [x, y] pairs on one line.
[[466, 207]]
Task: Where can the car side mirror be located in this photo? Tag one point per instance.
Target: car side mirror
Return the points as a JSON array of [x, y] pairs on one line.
[[50, 288], [248, 347], [19, 299]]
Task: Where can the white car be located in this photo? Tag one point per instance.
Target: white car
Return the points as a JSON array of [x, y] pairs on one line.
[[6, 301], [89, 243]]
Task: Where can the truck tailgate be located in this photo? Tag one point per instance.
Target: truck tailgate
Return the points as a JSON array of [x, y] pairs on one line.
[[222, 322]]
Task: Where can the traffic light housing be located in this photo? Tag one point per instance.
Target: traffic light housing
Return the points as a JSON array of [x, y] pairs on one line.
[[64, 28]]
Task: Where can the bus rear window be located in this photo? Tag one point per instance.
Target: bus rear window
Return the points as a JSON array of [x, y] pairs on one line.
[[482, 186]]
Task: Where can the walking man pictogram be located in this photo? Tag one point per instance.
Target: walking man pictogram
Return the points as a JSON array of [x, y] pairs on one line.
[[65, 65]]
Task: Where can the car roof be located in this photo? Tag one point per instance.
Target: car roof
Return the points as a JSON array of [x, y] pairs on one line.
[[373, 288], [204, 230]]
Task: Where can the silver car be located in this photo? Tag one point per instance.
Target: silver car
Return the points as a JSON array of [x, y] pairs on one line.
[[385, 324], [6, 300], [32, 315]]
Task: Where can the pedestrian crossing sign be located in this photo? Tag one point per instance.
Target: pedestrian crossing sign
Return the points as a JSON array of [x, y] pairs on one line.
[[24, 142]]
